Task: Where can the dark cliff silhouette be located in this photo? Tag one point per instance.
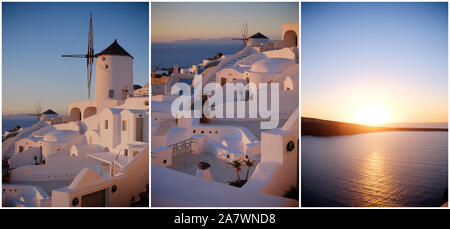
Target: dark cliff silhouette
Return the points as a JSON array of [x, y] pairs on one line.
[[319, 127]]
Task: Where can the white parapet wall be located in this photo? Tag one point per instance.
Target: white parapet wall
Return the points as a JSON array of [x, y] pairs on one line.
[[57, 168], [162, 156], [22, 133], [177, 189], [26, 157], [278, 171], [17, 195], [91, 189]]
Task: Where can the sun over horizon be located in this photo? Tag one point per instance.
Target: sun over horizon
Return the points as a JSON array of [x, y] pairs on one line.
[[375, 63]]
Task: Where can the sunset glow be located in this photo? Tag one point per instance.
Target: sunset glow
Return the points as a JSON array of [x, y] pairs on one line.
[[359, 67], [372, 114]]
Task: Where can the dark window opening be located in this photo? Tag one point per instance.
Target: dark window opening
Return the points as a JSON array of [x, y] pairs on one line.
[[124, 125]]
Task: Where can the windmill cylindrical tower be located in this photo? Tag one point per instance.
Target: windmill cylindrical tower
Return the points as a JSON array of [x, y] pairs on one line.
[[113, 74]]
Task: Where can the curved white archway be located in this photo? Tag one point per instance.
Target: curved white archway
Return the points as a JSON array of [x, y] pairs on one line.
[[75, 114], [89, 111], [290, 39]]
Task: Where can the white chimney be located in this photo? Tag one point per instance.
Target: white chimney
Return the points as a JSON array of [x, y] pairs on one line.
[[203, 171]]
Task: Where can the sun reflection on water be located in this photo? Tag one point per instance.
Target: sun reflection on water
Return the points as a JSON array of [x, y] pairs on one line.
[[375, 186]]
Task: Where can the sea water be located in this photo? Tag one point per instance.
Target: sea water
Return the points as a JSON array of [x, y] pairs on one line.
[[165, 55], [22, 120], [375, 169]]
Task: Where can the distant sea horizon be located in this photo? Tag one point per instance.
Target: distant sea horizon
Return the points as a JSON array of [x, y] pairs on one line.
[[399, 124], [9, 121], [186, 54], [24, 120], [417, 125]]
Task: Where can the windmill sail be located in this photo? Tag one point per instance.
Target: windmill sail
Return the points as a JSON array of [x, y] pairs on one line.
[[244, 34], [89, 56]]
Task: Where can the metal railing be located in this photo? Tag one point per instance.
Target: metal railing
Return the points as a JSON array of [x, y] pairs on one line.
[[181, 148]]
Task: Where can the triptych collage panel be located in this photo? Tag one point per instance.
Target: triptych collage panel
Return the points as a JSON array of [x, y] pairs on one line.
[[224, 104]]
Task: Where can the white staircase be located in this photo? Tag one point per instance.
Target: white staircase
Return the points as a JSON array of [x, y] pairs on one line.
[[212, 78]]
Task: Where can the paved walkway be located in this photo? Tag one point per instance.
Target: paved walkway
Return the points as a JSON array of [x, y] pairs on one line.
[[220, 171]]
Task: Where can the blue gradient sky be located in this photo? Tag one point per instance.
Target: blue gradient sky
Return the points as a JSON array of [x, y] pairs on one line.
[[35, 35], [390, 54], [180, 21]]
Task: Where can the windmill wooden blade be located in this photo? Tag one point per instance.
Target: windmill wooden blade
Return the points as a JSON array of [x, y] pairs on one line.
[[244, 31], [75, 56], [244, 34], [89, 56]]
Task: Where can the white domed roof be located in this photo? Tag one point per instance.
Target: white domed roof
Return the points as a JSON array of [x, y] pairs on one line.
[[60, 136], [43, 131], [271, 65]]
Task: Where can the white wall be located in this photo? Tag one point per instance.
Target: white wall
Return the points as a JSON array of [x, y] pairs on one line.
[[176, 189], [118, 75], [130, 181], [57, 168], [22, 133], [110, 137], [26, 143], [278, 170], [24, 158], [129, 135], [16, 195]]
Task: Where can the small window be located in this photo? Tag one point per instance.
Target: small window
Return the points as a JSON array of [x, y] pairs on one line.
[[20, 149], [125, 152], [103, 58], [223, 81], [106, 124], [106, 66], [124, 125], [111, 93]]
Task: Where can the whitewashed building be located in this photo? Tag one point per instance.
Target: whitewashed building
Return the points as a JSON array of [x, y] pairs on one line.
[[190, 157], [98, 158]]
